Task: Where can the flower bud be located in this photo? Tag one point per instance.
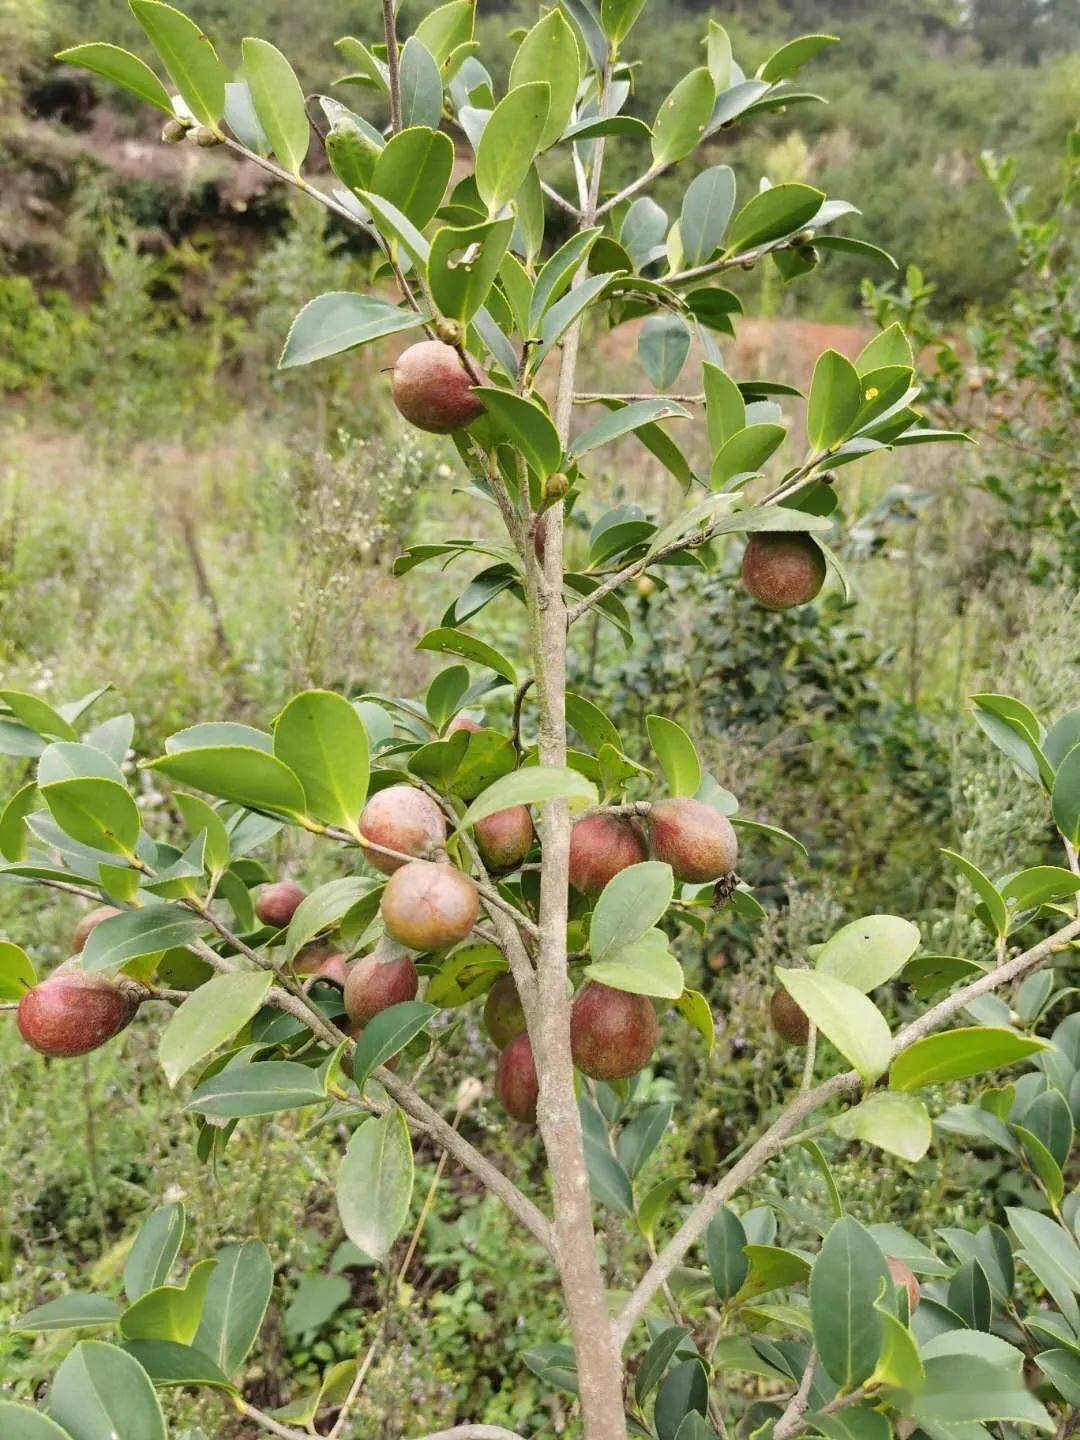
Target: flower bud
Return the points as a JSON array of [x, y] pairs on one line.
[[173, 132]]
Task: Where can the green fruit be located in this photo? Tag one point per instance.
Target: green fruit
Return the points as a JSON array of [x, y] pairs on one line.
[[782, 570], [612, 1033], [503, 1016], [429, 907], [693, 838]]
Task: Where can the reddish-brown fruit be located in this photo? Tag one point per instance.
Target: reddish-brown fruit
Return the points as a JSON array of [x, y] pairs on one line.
[[462, 722], [375, 982], [433, 390], [782, 570], [277, 903], [505, 838], [503, 1016], [693, 838], [612, 1033], [601, 846], [324, 963], [402, 818], [90, 921], [718, 962], [429, 907], [72, 1013], [904, 1276], [789, 1019], [516, 1083]]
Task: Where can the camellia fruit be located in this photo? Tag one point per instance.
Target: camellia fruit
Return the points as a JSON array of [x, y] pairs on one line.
[[505, 838], [462, 722], [612, 1033], [516, 1082], [323, 962], [789, 1019], [601, 846], [277, 903], [89, 922], [904, 1276], [693, 838], [386, 977], [429, 907], [433, 390], [72, 1013], [782, 570], [405, 819], [503, 1016]]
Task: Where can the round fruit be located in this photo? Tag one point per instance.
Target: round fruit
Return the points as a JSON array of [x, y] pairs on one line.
[[505, 838], [601, 846], [429, 907], [323, 963], [612, 1033], [277, 903], [782, 570], [462, 722], [89, 922], [433, 390], [516, 1083], [789, 1020], [503, 1016], [72, 1013], [693, 838], [405, 819], [385, 977], [905, 1277]]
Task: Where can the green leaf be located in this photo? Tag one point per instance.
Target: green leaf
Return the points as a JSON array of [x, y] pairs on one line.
[[969, 1295], [278, 101], [955, 1054], [169, 1363], [135, 933], [846, 1280], [1038, 886], [265, 1088], [630, 904], [853, 1422], [675, 751], [199, 817], [608, 1181], [323, 910], [706, 210], [745, 453], [101, 1393], [593, 726], [624, 421], [563, 314], [464, 263], [375, 1183], [645, 966], [527, 424], [421, 84], [868, 952], [447, 641], [835, 397], [549, 53], [640, 1137], [845, 1016], [1062, 1369], [656, 1360], [608, 125], [209, 1017], [774, 832], [694, 1009], [782, 64], [443, 30], [847, 245], [653, 1206], [341, 320], [239, 773], [169, 1312], [154, 1252], [772, 214], [322, 740], [1062, 737], [69, 1312], [387, 1035], [683, 115], [37, 715], [1049, 1119], [557, 273], [975, 1377], [535, 785], [725, 408], [188, 56], [412, 172], [684, 1390], [1065, 799], [555, 1365], [896, 1123], [13, 822], [17, 974], [95, 812], [1014, 728], [241, 119], [986, 891], [725, 1240], [510, 140], [400, 229], [890, 347], [1045, 1167], [20, 1422], [663, 345], [817, 1155], [235, 1303]]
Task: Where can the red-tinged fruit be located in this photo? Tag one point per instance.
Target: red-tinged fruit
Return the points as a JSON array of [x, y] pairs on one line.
[[516, 1082], [904, 1277], [375, 982], [72, 1013], [276, 904], [788, 1018], [601, 846], [782, 570], [505, 838], [405, 819], [433, 390], [503, 1016], [612, 1033], [429, 907], [693, 838], [462, 722], [90, 921], [322, 962]]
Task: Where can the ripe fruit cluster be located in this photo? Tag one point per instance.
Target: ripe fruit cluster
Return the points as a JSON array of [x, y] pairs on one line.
[[693, 838]]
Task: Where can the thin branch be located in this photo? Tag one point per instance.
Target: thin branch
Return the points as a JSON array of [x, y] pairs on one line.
[[806, 1103], [392, 64], [584, 397], [471, 1432], [560, 200], [653, 173], [519, 702], [785, 1427], [811, 1056], [267, 1422]]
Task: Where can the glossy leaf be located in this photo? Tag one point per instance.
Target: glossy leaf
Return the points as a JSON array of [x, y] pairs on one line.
[[341, 320], [154, 1252], [101, 1393], [645, 966], [549, 53], [772, 214], [169, 1363], [209, 1017], [675, 751], [892, 1122], [624, 421], [985, 889], [745, 453], [235, 1303], [782, 64], [527, 424], [534, 785], [835, 397], [656, 1360], [843, 1015], [868, 952], [510, 140], [387, 1035], [955, 1054], [188, 56], [375, 1183], [681, 120], [322, 740], [278, 100]]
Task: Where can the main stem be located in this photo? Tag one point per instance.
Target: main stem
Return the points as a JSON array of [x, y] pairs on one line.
[[598, 1364]]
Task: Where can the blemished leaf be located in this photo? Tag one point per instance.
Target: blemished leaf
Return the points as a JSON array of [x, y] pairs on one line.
[[675, 751], [95, 812], [388, 1034], [235, 1303], [266, 1088], [188, 56], [706, 210], [1065, 798], [239, 773], [527, 424], [412, 172], [845, 1282], [1039, 885], [835, 397], [663, 345], [868, 952], [643, 967], [845, 1016], [509, 143], [209, 1017], [69, 1312], [169, 1363], [892, 1122], [782, 64], [101, 1393], [656, 1360], [772, 214], [17, 974], [725, 1240], [985, 889], [20, 1422], [341, 320], [156, 1247], [375, 1182], [278, 100], [683, 115], [630, 904], [549, 53], [169, 1312], [464, 263], [135, 933], [534, 785], [955, 1054], [322, 740]]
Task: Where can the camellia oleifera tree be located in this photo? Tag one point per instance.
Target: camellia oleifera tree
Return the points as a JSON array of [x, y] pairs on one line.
[[503, 867]]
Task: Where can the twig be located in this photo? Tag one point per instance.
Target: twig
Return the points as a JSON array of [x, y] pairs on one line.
[[560, 200], [392, 64], [595, 397], [796, 1409], [811, 1055], [519, 702], [267, 1422], [471, 1432]]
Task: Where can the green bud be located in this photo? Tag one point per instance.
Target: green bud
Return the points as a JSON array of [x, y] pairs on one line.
[[555, 487], [450, 332], [205, 137], [173, 132]]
